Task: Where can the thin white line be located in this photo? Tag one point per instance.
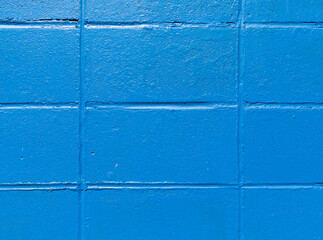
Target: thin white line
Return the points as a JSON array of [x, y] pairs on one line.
[[38, 107], [46, 26], [143, 26]]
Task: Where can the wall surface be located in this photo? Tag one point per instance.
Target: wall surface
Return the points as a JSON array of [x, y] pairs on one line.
[[161, 119]]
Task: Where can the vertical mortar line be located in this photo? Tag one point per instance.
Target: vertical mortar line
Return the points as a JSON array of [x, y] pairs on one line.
[[240, 115], [81, 181]]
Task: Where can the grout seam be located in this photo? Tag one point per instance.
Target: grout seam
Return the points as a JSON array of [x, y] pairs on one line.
[[95, 105], [159, 25], [139, 105], [40, 104], [283, 24], [75, 22], [81, 185], [147, 185], [161, 106], [240, 118]]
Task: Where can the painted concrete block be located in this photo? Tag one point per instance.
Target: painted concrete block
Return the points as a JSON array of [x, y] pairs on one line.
[[289, 214], [123, 119], [142, 64], [39, 64], [38, 215], [162, 11], [284, 10], [176, 144], [283, 65], [38, 10], [38, 144], [283, 145], [161, 214]]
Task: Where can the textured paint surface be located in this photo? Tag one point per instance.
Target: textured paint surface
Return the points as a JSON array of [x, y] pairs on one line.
[[162, 214], [38, 10], [158, 145], [284, 10], [38, 145], [286, 147], [162, 11], [283, 214], [152, 119], [157, 64], [38, 215], [283, 65], [37, 62]]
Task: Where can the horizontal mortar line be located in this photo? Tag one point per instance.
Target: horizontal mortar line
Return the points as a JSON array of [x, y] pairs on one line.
[[101, 186], [157, 187], [62, 26], [154, 22], [160, 105], [285, 103], [283, 186], [137, 183], [135, 25], [74, 22], [269, 105], [55, 186], [33, 184], [111, 185], [43, 105], [283, 24], [52, 186], [49, 189], [161, 187], [148, 187], [40, 21]]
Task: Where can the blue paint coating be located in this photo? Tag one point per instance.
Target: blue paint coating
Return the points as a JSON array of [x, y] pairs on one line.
[[283, 64], [284, 10], [148, 64], [183, 144], [161, 119], [283, 214], [162, 11], [38, 215], [39, 10], [38, 144], [162, 214], [286, 147], [37, 62]]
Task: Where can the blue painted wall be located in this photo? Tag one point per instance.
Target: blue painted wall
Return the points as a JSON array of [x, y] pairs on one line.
[[161, 119]]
